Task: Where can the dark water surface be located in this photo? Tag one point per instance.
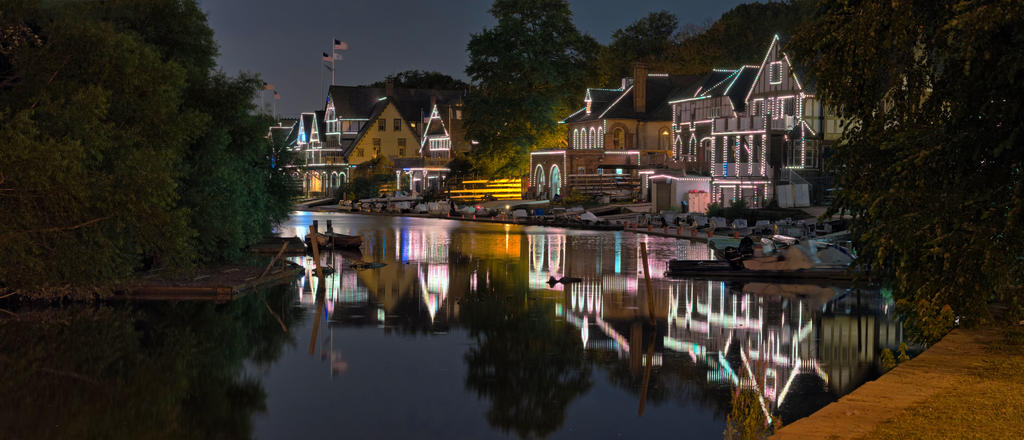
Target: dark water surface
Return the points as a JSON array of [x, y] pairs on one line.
[[458, 336]]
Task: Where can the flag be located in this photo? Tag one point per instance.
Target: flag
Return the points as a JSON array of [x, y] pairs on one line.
[[277, 95], [267, 86], [337, 57], [326, 57], [340, 45]]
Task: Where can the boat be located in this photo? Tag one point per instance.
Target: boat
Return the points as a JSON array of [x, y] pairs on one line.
[[338, 241], [793, 260]]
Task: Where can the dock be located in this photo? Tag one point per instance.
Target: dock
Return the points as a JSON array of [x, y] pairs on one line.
[[217, 283]]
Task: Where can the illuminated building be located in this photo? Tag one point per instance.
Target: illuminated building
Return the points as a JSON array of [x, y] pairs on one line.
[[615, 134], [754, 133]]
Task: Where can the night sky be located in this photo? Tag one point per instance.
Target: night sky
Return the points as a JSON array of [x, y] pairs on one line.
[[282, 41]]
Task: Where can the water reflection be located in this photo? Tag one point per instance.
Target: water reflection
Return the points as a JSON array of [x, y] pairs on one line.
[[533, 345], [152, 371]]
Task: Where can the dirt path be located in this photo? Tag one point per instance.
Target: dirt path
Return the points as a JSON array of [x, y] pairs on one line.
[[940, 369]]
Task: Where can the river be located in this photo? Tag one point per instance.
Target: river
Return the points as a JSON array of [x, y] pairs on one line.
[[459, 335]]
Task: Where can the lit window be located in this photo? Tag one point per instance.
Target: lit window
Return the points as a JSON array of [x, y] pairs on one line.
[[398, 124]]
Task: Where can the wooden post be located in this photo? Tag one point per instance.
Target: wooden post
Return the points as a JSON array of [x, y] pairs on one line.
[[321, 288], [647, 278], [283, 246], [316, 249], [647, 371]]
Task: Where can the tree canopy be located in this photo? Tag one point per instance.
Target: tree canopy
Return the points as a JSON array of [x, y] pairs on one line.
[[932, 165], [419, 79], [122, 147], [646, 40], [527, 71]]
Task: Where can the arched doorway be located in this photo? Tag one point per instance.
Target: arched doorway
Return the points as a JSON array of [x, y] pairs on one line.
[[618, 138], [538, 181], [705, 150], [556, 182], [664, 139]]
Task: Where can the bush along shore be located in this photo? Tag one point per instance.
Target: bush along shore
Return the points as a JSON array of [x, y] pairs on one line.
[[164, 164]]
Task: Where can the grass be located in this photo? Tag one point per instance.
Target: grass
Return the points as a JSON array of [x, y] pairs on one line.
[[987, 403]]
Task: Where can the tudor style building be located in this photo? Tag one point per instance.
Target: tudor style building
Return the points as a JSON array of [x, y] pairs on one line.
[[754, 133], [611, 138], [412, 131]]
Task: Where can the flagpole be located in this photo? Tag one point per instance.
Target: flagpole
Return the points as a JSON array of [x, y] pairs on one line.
[[332, 62]]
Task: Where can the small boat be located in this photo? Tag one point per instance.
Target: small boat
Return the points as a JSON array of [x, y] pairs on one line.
[[564, 280], [723, 270], [338, 241], [793, 261]]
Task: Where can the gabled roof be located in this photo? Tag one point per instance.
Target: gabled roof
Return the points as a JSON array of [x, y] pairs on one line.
[[355, 102], [321, 125], [306, 124], [435, 126], [360, 102], [618, 103], [734, 84]]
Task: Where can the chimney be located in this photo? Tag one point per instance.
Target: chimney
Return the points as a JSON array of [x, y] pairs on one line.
[[639, 87], [389, 87]]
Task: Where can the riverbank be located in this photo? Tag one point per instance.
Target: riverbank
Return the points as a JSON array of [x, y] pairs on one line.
[[968, 385]]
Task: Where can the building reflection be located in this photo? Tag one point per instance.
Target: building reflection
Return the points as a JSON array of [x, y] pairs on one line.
[[778, 340]]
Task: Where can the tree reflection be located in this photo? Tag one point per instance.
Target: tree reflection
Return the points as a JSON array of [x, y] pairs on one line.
[[529, 365], [154, 371]]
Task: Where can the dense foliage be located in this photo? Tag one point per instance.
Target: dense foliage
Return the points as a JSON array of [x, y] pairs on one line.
[[419, 79], [122, 148], [932, 168], [739, 37], [528, 71]]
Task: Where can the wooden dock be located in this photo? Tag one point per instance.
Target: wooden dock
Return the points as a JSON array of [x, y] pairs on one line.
[[217, 284]]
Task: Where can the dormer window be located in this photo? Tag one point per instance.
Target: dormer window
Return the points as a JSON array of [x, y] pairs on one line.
[[588, 107]]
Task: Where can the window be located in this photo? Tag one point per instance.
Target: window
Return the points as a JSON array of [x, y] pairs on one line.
[[600, 137], [581, 170], [664, 139], [775, 72], [401, 151], [789, 106], [359, 152], [716, 112], [401, 142], [593, 138], [398, 124], [382, 125], [458, 114], [576, 138], [376, 142], [619, 139], [755, 107]]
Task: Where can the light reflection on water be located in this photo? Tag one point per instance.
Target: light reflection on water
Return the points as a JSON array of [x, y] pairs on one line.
[[805, 344]]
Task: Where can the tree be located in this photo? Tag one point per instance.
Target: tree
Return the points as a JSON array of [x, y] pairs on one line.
[[123, 148], [527, 70], [646, 40], [932, 165], [418, 79]]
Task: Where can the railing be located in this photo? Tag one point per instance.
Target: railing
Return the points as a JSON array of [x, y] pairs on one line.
[[741, 169], [499, 189], [604, 184]]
